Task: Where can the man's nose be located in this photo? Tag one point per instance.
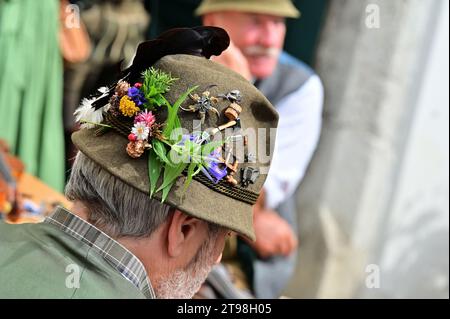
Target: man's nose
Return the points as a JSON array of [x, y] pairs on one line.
[[270, 34]]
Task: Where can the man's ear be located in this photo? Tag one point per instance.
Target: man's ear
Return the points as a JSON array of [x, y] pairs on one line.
[[181, 230]]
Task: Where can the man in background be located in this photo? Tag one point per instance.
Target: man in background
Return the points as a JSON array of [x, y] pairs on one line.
[[257, 30]]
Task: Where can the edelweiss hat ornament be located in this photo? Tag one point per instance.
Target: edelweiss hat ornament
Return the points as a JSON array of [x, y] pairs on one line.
[[183, 129]]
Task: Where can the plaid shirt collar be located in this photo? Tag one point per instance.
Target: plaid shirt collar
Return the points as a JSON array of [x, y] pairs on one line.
[[120, 258]]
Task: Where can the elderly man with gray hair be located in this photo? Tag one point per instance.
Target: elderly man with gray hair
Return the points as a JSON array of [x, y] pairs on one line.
[[151, 207]]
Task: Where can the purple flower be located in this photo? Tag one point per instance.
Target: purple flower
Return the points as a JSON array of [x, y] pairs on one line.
[[215, 155], [136, 96], [215, 167], [217, 172], [186, 137]]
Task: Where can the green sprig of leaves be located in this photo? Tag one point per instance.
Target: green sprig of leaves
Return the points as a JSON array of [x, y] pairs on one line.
[[173, 121], [155, 84], [171, 163], [169, 157], [167, 162]]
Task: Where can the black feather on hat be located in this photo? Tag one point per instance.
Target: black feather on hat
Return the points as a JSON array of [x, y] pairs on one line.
[[198, 41]]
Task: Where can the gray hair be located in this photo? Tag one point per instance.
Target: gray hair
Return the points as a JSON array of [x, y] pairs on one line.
[[113, 206]]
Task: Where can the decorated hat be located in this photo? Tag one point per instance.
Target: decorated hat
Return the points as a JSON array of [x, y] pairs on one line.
[[282, 8], [183, 129]]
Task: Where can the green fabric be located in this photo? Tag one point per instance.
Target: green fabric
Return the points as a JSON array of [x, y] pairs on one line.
[[117, 256], [31, 79], [36, 261]]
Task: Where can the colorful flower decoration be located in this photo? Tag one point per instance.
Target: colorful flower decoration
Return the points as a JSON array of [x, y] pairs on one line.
[[141, 131], [136, 95], [128, 107], [168, 156], [216, 168], [146, 117]]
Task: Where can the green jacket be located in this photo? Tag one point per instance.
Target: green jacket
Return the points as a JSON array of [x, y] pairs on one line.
[[31, 87], [65, 257]]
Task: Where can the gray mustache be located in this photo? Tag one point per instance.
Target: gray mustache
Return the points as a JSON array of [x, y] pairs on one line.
[[256, 50]]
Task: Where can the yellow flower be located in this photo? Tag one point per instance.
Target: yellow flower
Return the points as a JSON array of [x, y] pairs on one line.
[[128, 107]]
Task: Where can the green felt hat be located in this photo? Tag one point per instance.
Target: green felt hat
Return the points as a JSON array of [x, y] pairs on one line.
[[283, 8], [223, 200]]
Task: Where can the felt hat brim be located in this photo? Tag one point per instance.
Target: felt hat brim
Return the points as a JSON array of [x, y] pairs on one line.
[[282, 8], [198, 200]]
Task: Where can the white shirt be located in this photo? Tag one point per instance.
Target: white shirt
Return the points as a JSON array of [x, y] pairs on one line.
[[297, 138]]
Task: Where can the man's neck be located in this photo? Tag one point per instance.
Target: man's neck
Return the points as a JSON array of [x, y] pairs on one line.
[[147, 250], [79, 210]]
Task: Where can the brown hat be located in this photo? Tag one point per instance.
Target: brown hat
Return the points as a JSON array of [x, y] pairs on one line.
[[283, 8], [199, 172]]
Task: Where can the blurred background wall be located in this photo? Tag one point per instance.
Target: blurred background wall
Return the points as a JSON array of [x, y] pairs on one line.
[[374, 207]]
